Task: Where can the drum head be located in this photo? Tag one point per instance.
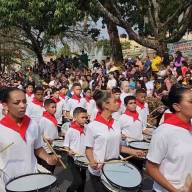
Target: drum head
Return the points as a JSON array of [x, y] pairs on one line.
[[31, 182], [59, 143], [122, 175], [142, 145]]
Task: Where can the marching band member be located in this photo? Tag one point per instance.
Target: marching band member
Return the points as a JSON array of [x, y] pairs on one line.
[[35, 108], [116, 92], [63, 92], [60, 105], [170, 154], [103, 137], [29, 93], [75, 101], [23, 134], [48, 128], [74, 142], [142, 107], [89, 104], [130, 124]]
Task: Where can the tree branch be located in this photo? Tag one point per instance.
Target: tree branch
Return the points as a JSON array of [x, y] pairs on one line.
[[177, 13]]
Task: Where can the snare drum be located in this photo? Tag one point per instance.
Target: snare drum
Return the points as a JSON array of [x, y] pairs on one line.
[[121, 177], [37, 182], [142, 145], [81, 161], [58, 144]]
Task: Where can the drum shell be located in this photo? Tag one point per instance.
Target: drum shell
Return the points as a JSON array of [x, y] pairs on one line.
[[44, 189]]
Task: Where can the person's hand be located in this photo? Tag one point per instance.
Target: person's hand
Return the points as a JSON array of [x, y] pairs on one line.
[[139, 153], [123, 137], [52, 160], [94, 165], [71, 153], [188, 184]]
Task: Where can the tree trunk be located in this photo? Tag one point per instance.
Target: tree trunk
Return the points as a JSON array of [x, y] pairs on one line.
[[117, 54], [35, 45]]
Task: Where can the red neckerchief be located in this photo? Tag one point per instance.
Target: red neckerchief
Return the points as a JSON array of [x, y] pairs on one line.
[[75, 125], [88, 99], [7, 121], [50, 117], [37, 102], [175, 120], [29, 94], [76, 97], [133, 114], [56, 100], [62, 96], [140, 104], [167, 115], [102, 120], [119, 102]]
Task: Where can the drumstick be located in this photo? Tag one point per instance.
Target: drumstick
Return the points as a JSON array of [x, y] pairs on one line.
[[53, 151], [114, 161], [6, 147]]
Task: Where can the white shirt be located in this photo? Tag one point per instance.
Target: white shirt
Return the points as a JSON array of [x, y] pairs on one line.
[[92, 109], [111, 83], [163, 116], [150, 87], [171, 148], [72, 104], [29, 98], [75, 141], [131, 128], [104, 141], [143, 113], [1, 111], [117, 115], [34, 111], [48, 130], [123, 95], [18, 159], [59, 111]]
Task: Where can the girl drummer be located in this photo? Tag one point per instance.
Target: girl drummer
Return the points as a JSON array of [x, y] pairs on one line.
[[103, 136], [20, 139], [170, 155]]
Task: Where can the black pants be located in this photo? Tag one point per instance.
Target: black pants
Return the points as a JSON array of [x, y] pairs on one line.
[[97, 184], [79, 176]]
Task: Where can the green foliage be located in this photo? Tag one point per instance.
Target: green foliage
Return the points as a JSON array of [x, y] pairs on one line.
[[65, 51], [105, 43]]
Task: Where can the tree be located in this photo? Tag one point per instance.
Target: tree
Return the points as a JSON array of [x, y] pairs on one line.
[[151, 23], [38, 20]]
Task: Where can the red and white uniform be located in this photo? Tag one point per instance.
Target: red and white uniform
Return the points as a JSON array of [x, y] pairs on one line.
[[91, 107], [171, 149], [35, 110], [48, 126], [143, 110], [59, 109], [73, 103], [116, 115], [165, 116], [104, 137], [19, 158], [29, 97], [74, 138], [131, 126]]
